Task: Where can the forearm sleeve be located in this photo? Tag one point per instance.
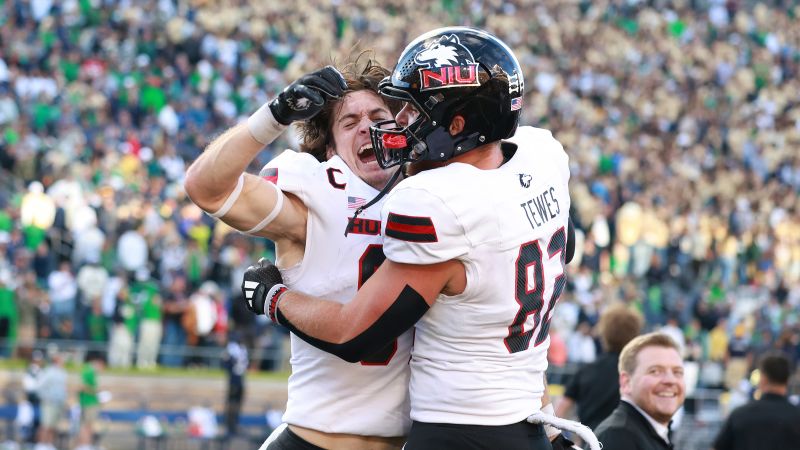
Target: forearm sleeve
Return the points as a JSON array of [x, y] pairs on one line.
[[406, 310]]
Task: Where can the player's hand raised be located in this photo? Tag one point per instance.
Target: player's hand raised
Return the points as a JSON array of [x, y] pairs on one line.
[[262, 285], [305, 97]]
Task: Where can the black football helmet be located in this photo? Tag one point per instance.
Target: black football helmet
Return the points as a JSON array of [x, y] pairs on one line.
[[443, 73]]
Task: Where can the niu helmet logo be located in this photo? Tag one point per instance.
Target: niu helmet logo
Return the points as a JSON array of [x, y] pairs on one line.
[[446, 63], [525, 180]]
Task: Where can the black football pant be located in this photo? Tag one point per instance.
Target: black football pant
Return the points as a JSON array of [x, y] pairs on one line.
[[288, 440], [445, 436]]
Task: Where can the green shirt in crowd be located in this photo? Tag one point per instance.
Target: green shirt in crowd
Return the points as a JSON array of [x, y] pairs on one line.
[[88, 394]]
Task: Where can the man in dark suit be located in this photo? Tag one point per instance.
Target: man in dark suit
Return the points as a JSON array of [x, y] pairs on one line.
[[769, 422], [652, 389], [595, 388]]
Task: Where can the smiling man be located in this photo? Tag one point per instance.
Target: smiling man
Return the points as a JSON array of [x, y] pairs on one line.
[[652, 390], [302, 201]]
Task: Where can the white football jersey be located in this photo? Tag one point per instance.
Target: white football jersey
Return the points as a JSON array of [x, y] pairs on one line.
[[327, 393], [479, 357]]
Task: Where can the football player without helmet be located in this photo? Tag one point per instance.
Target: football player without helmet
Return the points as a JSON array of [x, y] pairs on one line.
[[301, 201]]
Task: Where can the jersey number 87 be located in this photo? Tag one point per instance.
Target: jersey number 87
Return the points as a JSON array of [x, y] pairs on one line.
[[532, 301]]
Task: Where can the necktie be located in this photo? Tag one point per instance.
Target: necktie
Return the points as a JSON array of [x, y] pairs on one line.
[[669, 434]]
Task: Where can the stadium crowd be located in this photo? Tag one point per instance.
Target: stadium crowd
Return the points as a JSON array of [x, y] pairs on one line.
[[680, 118]]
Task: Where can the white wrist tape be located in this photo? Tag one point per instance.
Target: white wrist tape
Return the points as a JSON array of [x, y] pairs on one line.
[[549, 429], [263, 126], [230, 200], [273, 214], [584, 432]]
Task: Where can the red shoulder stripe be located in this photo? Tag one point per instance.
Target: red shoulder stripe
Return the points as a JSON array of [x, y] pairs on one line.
[[411, 228]]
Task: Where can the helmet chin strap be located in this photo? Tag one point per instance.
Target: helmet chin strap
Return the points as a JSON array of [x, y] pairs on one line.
[[384, 191]]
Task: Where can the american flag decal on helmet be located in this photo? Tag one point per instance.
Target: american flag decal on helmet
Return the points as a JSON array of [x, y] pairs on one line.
[[270, 174], [516, 103], [411, 228]]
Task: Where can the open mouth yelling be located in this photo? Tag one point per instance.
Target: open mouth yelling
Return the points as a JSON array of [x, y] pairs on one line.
[[366, 154]]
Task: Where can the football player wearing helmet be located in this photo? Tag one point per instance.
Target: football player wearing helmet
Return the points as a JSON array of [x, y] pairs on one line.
[[475, 242], [302, 201]]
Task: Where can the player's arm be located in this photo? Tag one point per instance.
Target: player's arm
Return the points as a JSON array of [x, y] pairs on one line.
[[389, 303], [564, 406], [218, 184], [217, 181]]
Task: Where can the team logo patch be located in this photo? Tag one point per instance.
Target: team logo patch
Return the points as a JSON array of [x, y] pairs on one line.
[[525, 180], [270, 174], [447, 64], [411, 228]]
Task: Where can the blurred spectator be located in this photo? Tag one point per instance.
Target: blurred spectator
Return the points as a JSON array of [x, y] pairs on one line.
[[9, 317], [737, 358], [581, 347], [147, 298], [63, 292], [30, 383], [672, 329], [176, 303], [132, 250], [718, 341], [89, 404], [91, 281], [200, 318], [235, 362], [651, 390], [202, 422], [120, 345], [594, 389], [52, 390], [768, 422], [37, 213]]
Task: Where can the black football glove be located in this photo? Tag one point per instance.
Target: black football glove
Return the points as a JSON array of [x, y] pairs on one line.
[[262, 284], [304, 98], [562, 443]]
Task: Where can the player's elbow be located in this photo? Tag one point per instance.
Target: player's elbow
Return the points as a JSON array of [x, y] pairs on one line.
[[198, 189], [193, 185]]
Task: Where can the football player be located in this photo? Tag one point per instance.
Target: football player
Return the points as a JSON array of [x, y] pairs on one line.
[[476, 242], [302, 201]]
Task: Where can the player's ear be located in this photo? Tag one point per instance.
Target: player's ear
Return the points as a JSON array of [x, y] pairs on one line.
[[457, 124], [330, 150], [624, 383]]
